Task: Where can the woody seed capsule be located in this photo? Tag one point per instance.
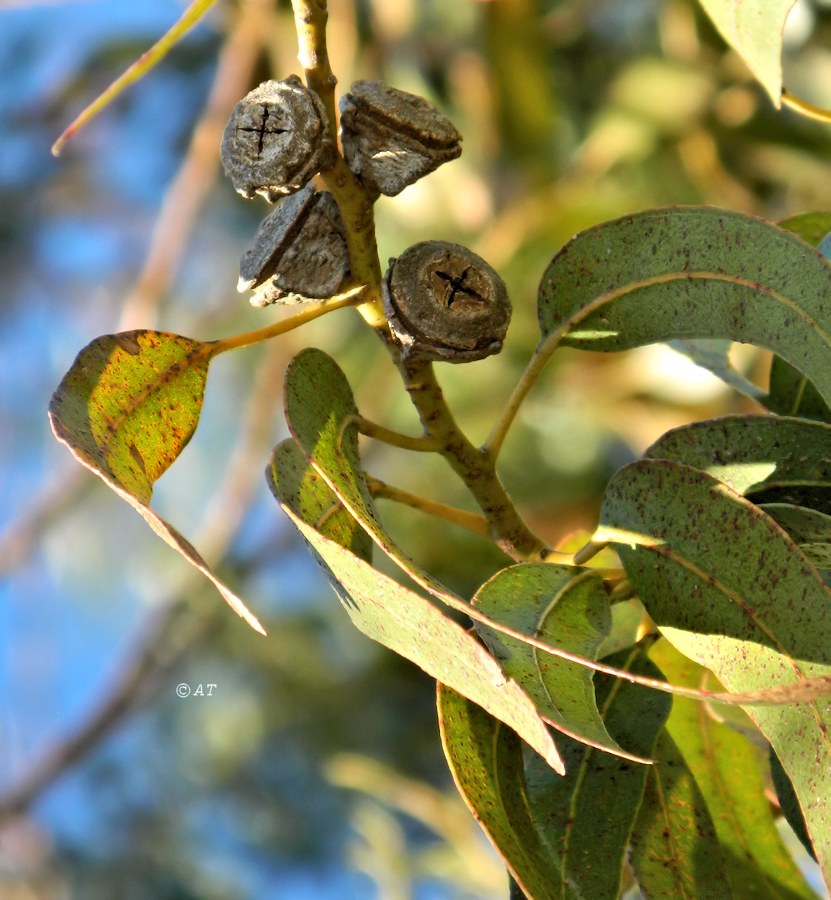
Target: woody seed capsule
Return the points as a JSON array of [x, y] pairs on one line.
[[276, 139], [391, 138], [298, 253], [445, 303]]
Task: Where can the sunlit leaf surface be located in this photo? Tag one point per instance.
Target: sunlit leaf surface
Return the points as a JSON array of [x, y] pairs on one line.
[[731, 590], [728, 771], [675, 850], [565, 607], [691, 272], [753, 28], [404, 621]]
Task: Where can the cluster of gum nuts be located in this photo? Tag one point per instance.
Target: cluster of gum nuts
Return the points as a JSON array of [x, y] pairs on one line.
[[442, 301]]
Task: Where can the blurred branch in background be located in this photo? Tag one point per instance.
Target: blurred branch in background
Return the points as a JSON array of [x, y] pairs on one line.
[[178, 627]]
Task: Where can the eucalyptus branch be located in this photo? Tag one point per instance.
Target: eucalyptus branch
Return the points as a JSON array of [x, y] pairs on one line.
[[475, 467], [354, 201], [418, 443]]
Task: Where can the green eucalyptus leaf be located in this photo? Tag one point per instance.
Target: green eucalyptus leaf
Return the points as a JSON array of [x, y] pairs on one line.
[[126, 409], [731, 590], [756, 455], [587, 817], [675, 850], [400, 619], [728, 771], [754, 28], [691, 272], [809, 528], [319, 405], [303, 490], [788, 801], [486, 760], [805, 526], [563, 606], [812, 227], [320, 410], [790, 393]]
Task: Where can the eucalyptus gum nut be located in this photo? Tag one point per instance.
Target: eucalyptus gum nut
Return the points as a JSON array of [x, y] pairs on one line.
[[392, 138], [299, 251], [276, 139], [445, 303]]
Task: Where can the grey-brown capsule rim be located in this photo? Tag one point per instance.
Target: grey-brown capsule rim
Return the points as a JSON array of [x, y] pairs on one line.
[[290, 163], [407, 114], [433, 334]]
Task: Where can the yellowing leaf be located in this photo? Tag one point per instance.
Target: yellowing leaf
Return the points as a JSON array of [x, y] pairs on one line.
[[126, 409], [753, 28]]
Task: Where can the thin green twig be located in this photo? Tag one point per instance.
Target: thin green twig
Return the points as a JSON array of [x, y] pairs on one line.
[[139, 68], [471, 521]]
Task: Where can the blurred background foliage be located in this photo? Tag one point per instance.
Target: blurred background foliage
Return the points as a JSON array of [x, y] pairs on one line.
[[314, 770]]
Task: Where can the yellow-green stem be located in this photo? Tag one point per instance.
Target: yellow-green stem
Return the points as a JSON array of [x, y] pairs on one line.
[[247, 338], [471, 521], [806, 109], [474, 467], [140, 67], [354, 201]]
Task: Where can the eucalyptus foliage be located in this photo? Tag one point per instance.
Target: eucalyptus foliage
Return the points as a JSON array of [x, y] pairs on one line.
[[588, 743]]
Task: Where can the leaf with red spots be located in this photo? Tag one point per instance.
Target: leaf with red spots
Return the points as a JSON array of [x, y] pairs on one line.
[[587, 817], [566, 607], [675, 849], [729, 771], [731, 590], [485, 759], [691, 272], [126, 409]]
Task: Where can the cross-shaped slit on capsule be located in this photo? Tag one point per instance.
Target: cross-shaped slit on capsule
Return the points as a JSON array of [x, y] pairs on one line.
[[457, 291], [262, 130]]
